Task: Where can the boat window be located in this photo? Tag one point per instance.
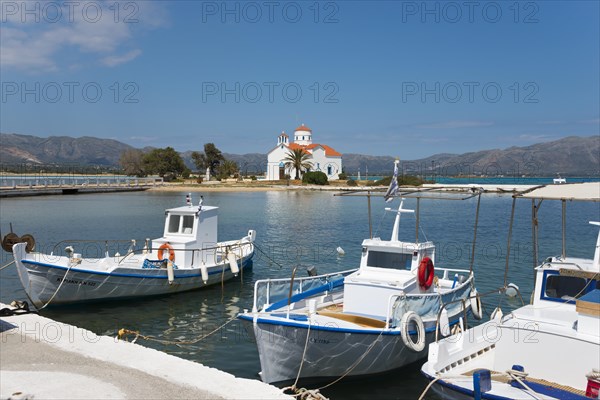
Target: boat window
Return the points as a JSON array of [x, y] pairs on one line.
[[174, 223], [565, 287], [188, 224], [382, 259]]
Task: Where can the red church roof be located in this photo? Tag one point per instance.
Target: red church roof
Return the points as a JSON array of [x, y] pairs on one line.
[[303, 128], [329, 151]]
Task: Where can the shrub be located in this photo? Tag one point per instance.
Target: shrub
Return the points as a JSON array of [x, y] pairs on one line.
[[315, 177], [404, 180], [351, 182], [253, 177], [342, 176]]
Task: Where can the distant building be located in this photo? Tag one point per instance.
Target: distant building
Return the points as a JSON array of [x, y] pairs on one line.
[[324, 158]]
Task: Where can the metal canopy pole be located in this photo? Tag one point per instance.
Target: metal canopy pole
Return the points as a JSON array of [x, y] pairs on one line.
[[370, 225], [564, 229], [475, 233], [512, 217], [417, 222]]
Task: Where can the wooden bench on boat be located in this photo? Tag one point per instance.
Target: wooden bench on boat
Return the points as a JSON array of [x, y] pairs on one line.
[[355, 319]]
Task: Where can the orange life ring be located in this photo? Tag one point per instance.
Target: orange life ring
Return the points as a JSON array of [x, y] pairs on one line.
[[162, 248], [426, 273]]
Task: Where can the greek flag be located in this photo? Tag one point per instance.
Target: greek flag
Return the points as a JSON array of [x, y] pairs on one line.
[[393, 189]]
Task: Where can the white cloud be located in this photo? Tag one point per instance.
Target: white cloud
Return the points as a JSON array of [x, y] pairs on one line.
[[37, 43], [535, 137], [114, 60], [456, 124]]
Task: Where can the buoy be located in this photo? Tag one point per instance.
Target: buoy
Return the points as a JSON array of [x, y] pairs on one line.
[[170, 273], [476, 307], [204, 272], [413, 317], [340, 251], [233, 263], [444, 323], [511, 290], [497, 314]]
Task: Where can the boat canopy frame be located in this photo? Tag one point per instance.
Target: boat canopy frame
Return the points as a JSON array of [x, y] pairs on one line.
[[442, 193]]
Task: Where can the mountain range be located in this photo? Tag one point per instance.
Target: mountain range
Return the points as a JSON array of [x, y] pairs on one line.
[[569, 156]]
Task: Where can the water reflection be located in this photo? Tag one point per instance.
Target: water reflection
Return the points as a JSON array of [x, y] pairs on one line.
[[292, 228]]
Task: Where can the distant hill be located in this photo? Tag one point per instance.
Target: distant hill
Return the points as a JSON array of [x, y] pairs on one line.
[[569, 156], [18, 149]]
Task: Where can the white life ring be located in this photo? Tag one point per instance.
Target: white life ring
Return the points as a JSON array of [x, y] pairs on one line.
[[476, 307], [419, 345]]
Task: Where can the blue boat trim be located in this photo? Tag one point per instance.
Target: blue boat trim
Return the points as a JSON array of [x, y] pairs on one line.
[[301, 296], [245, 263], [537, 388], [395, 332]]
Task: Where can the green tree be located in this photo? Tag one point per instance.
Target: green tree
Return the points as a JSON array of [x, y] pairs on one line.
[[228, 168], [211, 158], [298, 159], [131, 162], [163, 162]]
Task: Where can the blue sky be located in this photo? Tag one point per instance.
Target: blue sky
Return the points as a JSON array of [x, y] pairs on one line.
[[407, 79]]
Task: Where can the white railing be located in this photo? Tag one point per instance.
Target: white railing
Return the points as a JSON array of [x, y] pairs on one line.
[[263, 288]]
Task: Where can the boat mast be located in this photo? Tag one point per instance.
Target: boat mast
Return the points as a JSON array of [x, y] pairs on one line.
[[396, 229]]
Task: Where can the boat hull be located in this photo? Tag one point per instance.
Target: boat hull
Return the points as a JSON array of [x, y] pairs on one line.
[[330, 351], [57, 284]]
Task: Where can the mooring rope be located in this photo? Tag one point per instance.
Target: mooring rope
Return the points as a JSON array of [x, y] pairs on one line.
[[267, 256], [58, 288], [303, 356], [358, 361], [124, 332], [7, 265]]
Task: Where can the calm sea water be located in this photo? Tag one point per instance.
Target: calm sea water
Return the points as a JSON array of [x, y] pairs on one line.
[[293, 228]]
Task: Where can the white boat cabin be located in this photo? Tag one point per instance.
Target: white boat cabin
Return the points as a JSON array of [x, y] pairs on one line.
[[188, 228], [569, 280], [387, 267]]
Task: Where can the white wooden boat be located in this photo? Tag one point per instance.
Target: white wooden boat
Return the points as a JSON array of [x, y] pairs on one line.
[[363, 321], [186, 257], [549, 349]]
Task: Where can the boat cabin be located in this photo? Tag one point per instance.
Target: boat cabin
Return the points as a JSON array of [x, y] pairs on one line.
[[186, 228], [566, 279], [387, 267]]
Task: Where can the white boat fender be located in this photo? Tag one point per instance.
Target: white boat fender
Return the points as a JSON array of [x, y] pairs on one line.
[[252, 235], [444, 323], [170, 273], [476, 307], [233, 263], [497, 314], [340, 251], [407, 318], [511, 290], [204, 272]]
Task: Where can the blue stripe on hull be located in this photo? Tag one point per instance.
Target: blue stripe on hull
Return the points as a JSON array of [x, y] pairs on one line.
[[245, 262]]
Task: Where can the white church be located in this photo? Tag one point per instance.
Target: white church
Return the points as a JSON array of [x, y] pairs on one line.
[[324, 158]]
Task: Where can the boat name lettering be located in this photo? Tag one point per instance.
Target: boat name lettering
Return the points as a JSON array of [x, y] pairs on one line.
[[77, 282], [317, 340]]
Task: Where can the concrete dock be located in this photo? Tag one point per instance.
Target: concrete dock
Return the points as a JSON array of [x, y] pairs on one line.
[[45, 359]]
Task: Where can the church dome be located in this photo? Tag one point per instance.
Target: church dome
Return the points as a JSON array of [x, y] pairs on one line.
[[303, 128]]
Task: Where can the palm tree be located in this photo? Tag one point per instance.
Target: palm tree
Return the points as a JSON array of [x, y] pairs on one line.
[[298, 159]]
